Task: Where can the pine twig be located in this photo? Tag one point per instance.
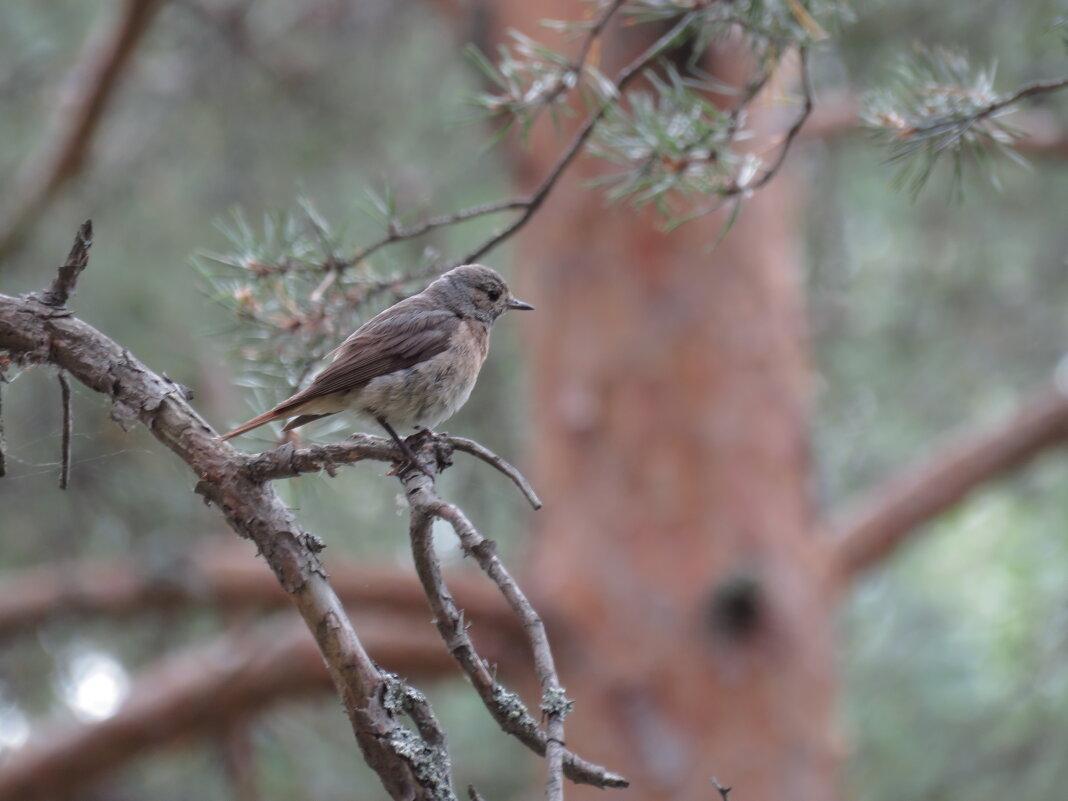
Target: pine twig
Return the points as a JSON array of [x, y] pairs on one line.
[[529, 204], [533, 202]]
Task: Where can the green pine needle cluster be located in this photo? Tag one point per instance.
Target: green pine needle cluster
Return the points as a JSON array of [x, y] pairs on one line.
[[939, 106], [292, 297]]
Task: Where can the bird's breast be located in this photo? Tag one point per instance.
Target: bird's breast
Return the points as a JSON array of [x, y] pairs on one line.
[[431, 391]]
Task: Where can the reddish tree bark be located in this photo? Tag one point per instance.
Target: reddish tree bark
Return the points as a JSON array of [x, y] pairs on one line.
[[670, 399]]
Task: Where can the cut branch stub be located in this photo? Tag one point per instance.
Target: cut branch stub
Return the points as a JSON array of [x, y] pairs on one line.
[[63, 284]]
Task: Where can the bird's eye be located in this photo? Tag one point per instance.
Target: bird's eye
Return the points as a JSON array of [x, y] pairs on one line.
[[494, 295]]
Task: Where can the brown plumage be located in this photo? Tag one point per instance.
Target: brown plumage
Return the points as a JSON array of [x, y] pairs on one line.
[[413, 364]]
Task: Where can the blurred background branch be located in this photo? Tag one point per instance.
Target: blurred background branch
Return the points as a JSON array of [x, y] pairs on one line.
[[63, 152], [918, 493]]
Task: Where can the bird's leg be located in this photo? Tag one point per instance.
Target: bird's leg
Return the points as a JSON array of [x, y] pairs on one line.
[[403, 445]]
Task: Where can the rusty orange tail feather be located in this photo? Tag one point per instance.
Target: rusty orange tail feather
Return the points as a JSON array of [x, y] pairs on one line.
[[255, 422]]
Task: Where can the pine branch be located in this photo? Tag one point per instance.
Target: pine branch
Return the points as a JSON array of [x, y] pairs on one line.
[[940, 107]]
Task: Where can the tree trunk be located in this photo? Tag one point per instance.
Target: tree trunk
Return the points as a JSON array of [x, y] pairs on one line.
[[677, 556]]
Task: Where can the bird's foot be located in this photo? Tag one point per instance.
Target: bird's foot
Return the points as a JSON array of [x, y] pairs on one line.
[[438, 444], [411, 461], [423, 441]]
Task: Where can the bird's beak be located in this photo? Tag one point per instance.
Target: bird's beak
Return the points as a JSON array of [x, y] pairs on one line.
[[518, 304]]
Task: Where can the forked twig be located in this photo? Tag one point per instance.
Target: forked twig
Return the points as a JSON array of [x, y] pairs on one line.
[[504, 705]]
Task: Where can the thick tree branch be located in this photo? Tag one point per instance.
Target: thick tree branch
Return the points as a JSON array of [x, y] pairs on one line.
[[62, 156], [873, 527], [203, 690], [32, 333]]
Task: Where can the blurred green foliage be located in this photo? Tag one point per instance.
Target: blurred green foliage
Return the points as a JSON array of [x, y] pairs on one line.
[[929, 317]]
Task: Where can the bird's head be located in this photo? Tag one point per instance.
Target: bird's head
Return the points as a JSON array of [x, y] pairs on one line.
[[474, 290]]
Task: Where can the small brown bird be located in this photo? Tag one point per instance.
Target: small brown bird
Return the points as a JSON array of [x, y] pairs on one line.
[[413, 364]]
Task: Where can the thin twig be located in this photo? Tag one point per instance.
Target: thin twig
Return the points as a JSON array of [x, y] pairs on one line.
[[736, 191], [480, 451], [724, 792], [288, 461], [1031, 90], [397, 234], [799, 123], [3, 445], [68, 424]]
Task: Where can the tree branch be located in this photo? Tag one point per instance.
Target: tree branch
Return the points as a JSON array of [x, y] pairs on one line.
[[527, 205], [670, 40], [62, 155], [480, 451], [33, 333], [3, 444], [68, 427], [882, 520]]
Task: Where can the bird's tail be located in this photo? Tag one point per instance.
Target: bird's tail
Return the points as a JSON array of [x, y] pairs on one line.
[[255, 422]]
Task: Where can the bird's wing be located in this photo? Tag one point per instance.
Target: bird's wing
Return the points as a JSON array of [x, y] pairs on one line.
[[386, 343]]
